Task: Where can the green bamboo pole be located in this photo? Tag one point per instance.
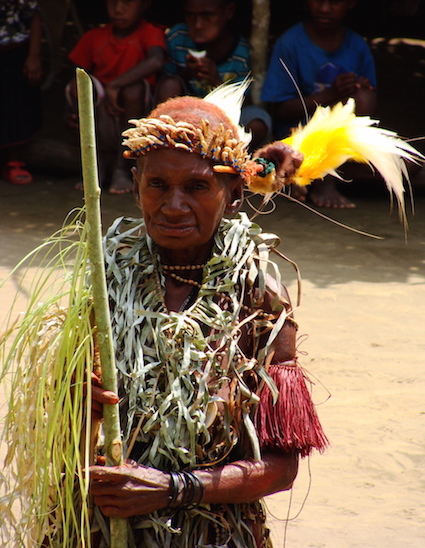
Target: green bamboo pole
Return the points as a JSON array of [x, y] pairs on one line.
[[113, 445]]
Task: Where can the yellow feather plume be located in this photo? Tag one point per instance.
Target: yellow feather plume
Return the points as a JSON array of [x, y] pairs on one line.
[[336, 135]]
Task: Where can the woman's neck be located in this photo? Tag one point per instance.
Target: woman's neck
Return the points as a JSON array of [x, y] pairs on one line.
[[185, 257]]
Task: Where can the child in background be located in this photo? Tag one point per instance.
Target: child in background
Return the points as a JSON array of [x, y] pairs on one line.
[[124, 57], [21, 72], [204, 52], [329, 63]]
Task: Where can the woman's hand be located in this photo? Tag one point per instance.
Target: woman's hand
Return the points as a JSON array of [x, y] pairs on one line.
[[129, 490], [286, 160]]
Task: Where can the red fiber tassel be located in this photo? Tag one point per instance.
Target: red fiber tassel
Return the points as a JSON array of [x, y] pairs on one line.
[[292, 422]]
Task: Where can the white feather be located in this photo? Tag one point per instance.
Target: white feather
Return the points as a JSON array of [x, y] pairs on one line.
[[360, 141], [229, 97], [387, 153]]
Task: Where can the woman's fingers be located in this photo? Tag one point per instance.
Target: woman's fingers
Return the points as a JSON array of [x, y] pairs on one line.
[[104, 396]]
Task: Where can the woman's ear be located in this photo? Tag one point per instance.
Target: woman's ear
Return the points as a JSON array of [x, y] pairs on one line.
[[236, 196]]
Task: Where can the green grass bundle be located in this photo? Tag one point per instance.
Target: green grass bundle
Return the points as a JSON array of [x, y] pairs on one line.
[[47, 354]]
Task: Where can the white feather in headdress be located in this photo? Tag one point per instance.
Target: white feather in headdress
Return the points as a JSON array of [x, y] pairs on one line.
[[229, 97]]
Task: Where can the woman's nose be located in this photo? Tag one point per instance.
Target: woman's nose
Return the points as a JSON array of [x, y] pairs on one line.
[[175, 201]]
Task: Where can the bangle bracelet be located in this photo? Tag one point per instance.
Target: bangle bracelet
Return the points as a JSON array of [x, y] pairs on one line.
[[174, 486], [190, 494], [197, 490]]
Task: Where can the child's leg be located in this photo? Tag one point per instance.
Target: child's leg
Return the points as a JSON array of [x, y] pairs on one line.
[[136, 100], [106, 133], [324, 193], [169, 86], [107, 141], [259, 122], [365, 102]]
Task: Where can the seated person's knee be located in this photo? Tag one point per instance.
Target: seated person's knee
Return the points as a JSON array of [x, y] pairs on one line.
[[365, 102], [258, 121], [259, 131], [167, 87], [135, 93]]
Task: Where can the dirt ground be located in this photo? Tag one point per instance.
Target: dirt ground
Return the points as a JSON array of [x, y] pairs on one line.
[[361, 340]]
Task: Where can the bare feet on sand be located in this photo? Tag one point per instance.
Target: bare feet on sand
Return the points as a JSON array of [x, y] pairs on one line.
[[121, 182], [325, 194], [321, 194], [299, 192]]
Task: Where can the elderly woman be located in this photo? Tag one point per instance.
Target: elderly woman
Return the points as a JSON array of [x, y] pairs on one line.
[[214, 409]]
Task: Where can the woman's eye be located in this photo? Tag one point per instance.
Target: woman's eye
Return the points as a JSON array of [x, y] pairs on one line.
[[156, 183], [198, 185]]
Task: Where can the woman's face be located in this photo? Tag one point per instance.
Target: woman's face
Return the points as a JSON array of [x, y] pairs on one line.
[[183, 200]]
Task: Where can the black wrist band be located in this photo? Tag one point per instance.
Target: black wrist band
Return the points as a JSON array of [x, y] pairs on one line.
[[191, 494], [174, 486]]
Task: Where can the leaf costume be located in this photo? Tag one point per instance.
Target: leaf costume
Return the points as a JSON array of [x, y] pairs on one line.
[[188, 391]]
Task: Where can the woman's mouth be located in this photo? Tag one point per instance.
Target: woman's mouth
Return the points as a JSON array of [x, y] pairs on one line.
[[174, 230]]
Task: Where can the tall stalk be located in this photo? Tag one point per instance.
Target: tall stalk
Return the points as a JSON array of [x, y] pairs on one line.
[[113, 445]]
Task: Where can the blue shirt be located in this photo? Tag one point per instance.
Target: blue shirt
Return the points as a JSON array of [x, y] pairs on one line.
[[312, 67], [235, 68]]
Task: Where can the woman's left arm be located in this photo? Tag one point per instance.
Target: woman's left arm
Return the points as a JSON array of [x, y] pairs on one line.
[[132, 489], [246, 481]]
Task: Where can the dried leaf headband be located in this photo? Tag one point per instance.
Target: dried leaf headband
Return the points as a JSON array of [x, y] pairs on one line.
[[164, 132]]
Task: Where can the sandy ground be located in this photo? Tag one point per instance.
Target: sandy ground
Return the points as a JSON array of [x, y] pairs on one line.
[[361, 338]]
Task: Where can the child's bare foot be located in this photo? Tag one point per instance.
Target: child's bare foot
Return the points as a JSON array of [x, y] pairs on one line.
[[121, 182], [103, 166], [325, 194], [299, 192]]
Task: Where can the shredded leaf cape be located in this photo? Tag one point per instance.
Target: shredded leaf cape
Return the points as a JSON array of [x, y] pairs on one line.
[[190, 395], [187, 390]]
